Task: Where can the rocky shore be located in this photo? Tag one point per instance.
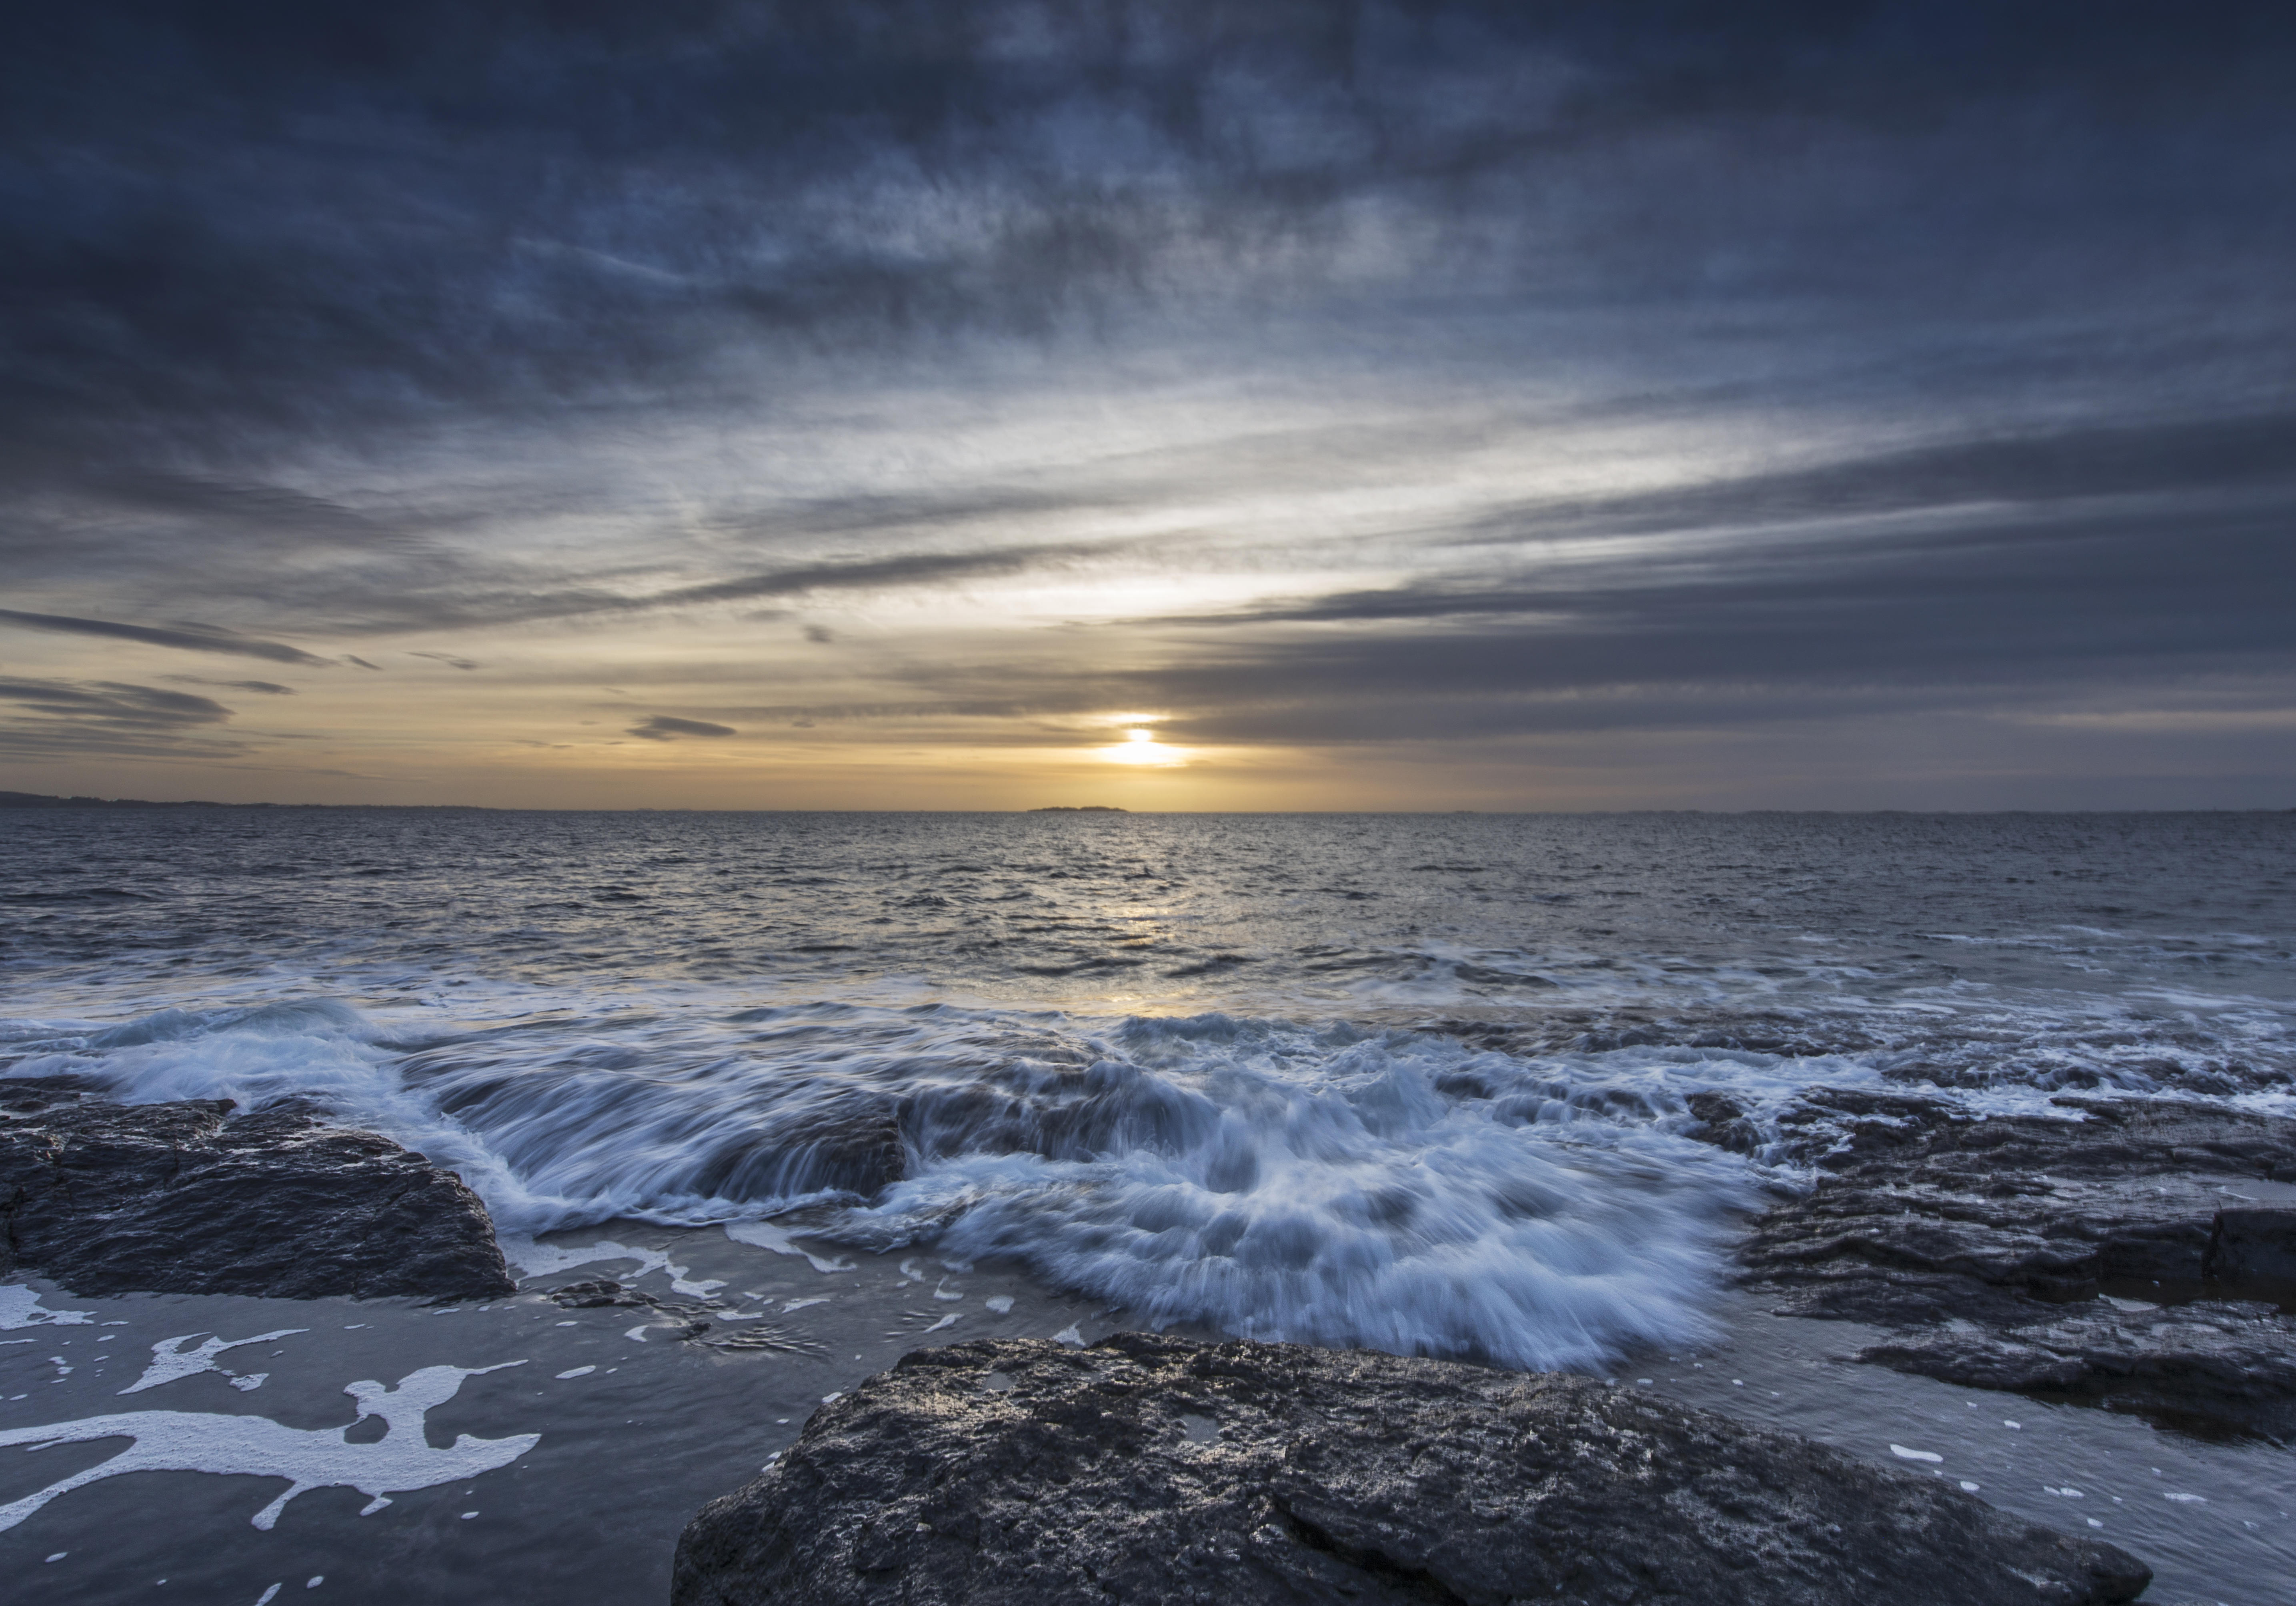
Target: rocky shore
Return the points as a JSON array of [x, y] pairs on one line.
[[2140, 1256], [1158, 1469]]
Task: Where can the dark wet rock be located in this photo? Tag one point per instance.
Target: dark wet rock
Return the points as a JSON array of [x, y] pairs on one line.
[[601, 1293], [846, 1143], [2257, 1247], [763, 1335], [1153, 1470], [191, 1199], [1999, 1246], [1602, 1030], [2204, 1365], [1724, 1122], [693, 1321]]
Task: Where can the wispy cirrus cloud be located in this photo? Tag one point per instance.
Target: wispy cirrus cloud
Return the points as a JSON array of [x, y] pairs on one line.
[[267, 688], [191, 638], [66, 718]]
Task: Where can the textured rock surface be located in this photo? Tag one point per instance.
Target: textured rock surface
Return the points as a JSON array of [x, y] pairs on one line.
[[187, 1198], [2206, 1365], [2115, 1258], [1154, 1470]]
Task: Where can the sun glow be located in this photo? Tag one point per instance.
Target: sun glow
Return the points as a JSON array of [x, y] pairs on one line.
[[1140, 746]]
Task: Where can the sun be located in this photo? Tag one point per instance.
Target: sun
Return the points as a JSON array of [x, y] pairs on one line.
[[1140, 746]]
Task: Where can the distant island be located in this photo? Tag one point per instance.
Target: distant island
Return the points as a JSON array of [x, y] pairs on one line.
[[1080, 808], [32, 800]]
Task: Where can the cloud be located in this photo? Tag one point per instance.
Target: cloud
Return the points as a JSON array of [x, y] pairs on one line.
[[193, 638], [665, 727], [268, 688], [1361, 373], [471, 236], [2215, 456], [891, 572], [72, 718]]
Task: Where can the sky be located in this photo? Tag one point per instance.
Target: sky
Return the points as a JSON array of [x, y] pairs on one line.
[[1234, 405]]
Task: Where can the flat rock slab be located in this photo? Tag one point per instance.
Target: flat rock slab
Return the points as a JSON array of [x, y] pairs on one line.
[[1154, 1470], [190, 1199], [2113, 1256], [2212, 1366]]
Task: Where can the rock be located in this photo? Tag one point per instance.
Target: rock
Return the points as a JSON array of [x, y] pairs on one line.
[[843, 1142], [2207, 1365], [2029, 1253], [1723, 1123], [2254, 1247], [1154, 1470], [191, 1199], [601, 1293]]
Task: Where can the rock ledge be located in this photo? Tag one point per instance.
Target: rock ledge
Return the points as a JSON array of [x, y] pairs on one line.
[[190, 1199], [1155, 1470], [2110, 1256]]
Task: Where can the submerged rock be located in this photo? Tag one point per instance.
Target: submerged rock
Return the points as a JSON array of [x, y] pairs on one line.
[[601, 1293], [1154, 1470], [2113, 1256], [190, 1199]]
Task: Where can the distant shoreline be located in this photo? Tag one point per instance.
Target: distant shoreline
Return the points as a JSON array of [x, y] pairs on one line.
[[34, 800]]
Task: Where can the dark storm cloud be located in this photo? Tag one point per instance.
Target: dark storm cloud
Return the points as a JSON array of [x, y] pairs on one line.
[[65, 719], [191, 637], [665, 727]]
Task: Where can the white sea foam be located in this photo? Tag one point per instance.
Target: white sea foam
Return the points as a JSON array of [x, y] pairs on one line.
[[1322, 1182], [548, 1259], [1395, 1189], [186, 1441], [765, 1235], [21, 1306], [1319, 1185], [170, 1360]]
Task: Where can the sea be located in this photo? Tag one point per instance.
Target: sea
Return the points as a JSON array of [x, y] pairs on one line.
[[1414, 1082]]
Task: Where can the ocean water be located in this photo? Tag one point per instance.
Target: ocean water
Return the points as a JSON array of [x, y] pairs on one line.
[[1416, 1082]]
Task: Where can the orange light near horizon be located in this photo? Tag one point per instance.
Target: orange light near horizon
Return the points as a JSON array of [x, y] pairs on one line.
[[1140, 746]]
